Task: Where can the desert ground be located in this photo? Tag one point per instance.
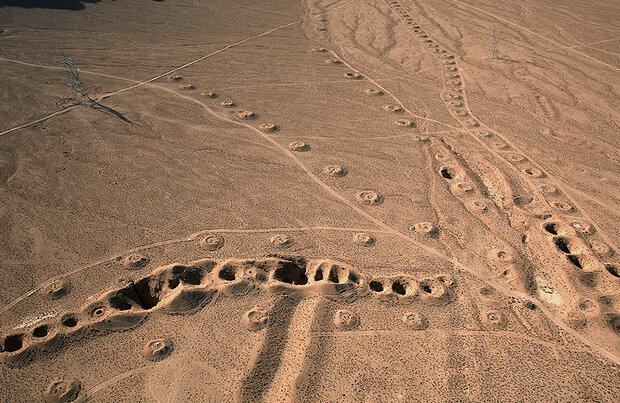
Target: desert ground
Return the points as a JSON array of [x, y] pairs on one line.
[[342, 200]]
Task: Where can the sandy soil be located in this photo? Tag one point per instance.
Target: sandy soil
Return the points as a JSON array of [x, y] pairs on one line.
[[310, 201]]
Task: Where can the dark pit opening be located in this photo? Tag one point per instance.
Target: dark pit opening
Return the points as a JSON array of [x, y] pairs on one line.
[[575, 261], [375, 286], [13, 343], [612, 269], [192, 275], [529, 305], [354, 278], [291, 273], [227, 273], [446, 173], [69, 321], [40, 331], [146, 297], [333, 274], [398, 287], [120, 302], [551, 228], [173, 283], [318, 276], [562, 245]]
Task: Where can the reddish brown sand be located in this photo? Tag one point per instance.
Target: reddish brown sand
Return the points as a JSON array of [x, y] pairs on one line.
[[310, 201]]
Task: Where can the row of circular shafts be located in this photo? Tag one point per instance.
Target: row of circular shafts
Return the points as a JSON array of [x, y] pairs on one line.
[[575, 249]]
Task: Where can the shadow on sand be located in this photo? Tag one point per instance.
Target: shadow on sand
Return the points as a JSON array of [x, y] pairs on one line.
[[55, 4]]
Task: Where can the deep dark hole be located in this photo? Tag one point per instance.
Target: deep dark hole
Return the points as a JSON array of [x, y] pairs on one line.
[[551, 228], [120, 302], [69, 321], [562, 245], [291, 273], [173, 283], [426, 288], [398, 287], [227, 273], [529, 305], [192, 275], [575, 260], [446, 173], [376, 286], [612, 269], [318, 276], [333, 275], [40, 331], [13, 343], [354, 278], [146, 297]]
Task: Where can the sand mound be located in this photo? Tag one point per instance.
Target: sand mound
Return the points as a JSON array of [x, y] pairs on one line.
[[461, 188], [345, 319], [209, 94], [212, 242], [62, 391], [157, 349], [393, 108], [187, 87], [478, 206], [493, 319], [135, 261], [404, 123], [228, 104], [56, 289], [299, 146], [256, 319], [246, 115], [269, 127], [334, 170], [281, 241], [373, 91], [426, 228], [415, 320], [176, 78], [369, 197], [434, 291], [364, 239], [333, 61], [353, 75]]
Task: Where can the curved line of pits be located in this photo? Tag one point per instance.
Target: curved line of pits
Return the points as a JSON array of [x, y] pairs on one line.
[[179, 288], [576, 251]]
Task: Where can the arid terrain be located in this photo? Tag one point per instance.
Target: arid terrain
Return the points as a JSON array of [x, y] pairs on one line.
[[276, 200]]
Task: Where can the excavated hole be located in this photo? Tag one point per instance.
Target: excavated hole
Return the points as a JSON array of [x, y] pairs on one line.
[[146, 297], [575, 261], [446, 173], [291, 273], [551, 228], [40, 331], [318, 276], [398, 287], [612, 269], [13, 343], [354, 278], [375, 286], [120, 302], [173, 283], [562, 245], [70, 321], [227, 273]]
